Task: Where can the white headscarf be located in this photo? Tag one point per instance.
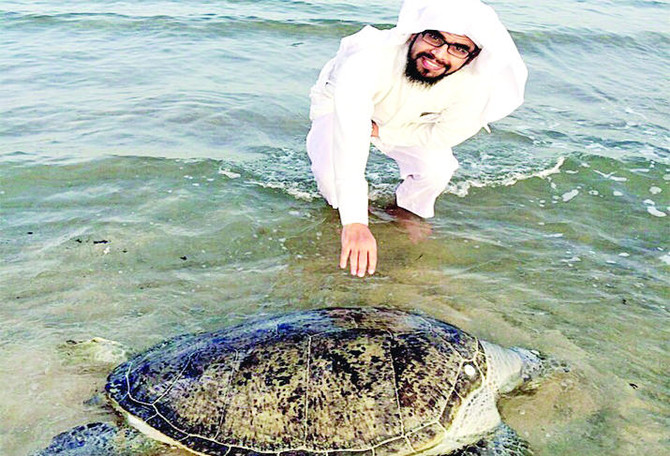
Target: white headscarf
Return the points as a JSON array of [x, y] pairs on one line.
[[499, 61]]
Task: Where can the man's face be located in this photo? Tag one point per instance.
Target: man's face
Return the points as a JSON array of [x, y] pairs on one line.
[[428, 63]]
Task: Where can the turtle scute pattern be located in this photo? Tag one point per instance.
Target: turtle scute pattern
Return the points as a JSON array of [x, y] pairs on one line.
[[345, 382]]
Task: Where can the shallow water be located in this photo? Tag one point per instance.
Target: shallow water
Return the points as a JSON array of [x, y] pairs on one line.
[[153, 181]]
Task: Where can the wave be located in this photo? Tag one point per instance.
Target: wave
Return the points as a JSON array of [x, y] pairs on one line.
[[226, 25], [287, 170], [541, 40], [306, 24], [462, 188], [213, 25], [381, 190], [297, 182]]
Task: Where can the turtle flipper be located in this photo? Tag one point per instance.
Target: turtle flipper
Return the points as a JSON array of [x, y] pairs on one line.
[[96, 439], [501, 442]]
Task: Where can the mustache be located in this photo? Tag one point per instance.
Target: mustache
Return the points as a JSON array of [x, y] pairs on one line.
[[430, 56]]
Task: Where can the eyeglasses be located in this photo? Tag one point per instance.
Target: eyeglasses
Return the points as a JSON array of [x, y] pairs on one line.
[[460, 50]]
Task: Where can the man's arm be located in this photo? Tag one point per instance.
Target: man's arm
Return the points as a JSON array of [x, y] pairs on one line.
[[353, 109], [445, 133], [359, 247]]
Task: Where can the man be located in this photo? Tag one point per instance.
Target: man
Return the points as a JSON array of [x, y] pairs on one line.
[[446, 70]]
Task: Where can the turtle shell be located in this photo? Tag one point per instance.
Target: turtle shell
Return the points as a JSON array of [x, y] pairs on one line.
[[341, 381]]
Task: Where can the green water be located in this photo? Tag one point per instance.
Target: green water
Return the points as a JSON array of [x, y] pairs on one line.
[[97, 249], [154, 181]]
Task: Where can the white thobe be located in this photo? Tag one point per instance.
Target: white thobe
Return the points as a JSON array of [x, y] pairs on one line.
[[418, 125]]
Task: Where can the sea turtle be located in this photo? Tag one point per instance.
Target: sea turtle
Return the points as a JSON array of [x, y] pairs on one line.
[[328, 382]]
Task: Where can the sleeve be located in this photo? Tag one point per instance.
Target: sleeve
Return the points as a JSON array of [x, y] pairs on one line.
[[438, 135], [441, 134], [461, 118], [353, 108]]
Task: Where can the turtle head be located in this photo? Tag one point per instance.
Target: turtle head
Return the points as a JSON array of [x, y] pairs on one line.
[[515, 367], [532, 365], [536, 366]]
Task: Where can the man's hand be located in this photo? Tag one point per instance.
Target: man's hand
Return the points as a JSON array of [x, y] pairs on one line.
[[359, 247]]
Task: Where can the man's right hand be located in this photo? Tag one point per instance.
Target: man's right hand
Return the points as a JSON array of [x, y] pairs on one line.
[[375, 130], [359, 248]]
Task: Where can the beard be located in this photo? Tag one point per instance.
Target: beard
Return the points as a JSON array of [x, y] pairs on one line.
[[413, 74]]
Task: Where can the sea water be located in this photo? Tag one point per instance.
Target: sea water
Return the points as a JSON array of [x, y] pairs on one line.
[[154, 181]]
